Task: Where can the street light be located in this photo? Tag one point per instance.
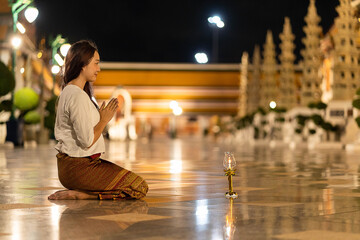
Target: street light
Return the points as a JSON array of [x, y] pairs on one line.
[[20, 27], [16, 42], [16, 7], [201, 58], [31, 14], [55, 69], [56, 59], [215, 23], [177, 111], [64, 49], [173, 104], [272, 104], [59, 59]]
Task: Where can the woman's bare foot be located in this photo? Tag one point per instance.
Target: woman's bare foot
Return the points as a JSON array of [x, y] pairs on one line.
[[71, 195]]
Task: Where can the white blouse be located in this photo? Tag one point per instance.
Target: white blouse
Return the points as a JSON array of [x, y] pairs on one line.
[[76, 118]]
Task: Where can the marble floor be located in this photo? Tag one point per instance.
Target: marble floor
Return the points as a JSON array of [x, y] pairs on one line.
[[283, 194]]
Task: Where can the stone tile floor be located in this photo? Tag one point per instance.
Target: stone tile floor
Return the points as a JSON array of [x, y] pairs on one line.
[[283, 194]]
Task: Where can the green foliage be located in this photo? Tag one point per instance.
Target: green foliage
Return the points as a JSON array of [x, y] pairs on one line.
[[301, 119], [49, 122], [26, 99], [51, 104], [280, 119], [335, 128], [318, 105], [32, 117], [244, 121], [7, 80], [261, 111], [327, 126], [358, 121], [358, 92], [6, 106], [356, 103], [321, 105], [312, 105], [317, 119], [279, 110]]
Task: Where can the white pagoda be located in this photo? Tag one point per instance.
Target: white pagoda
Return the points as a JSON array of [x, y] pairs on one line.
[[346, 55], [268, 86], [253, 91], [287, 95], [311, 79], [243, 85]]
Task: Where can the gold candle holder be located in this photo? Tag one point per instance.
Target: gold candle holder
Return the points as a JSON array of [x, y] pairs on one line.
[[229, 169]]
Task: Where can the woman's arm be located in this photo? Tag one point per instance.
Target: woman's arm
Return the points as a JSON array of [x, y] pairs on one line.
[[106, 114]]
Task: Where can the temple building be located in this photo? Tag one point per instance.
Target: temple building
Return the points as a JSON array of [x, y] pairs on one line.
[[242, 107], [253, 89], [287, 96], [269, 88], [345, 54], [311, 79]]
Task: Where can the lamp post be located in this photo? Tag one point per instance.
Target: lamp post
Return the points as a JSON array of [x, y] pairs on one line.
[[14, 127], [215, 23], [16, 7], [56, 59]]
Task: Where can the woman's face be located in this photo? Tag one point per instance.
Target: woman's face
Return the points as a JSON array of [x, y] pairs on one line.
[[91, 70]]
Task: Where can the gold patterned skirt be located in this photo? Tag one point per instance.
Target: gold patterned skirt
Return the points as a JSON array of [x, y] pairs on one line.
[[99, 177]]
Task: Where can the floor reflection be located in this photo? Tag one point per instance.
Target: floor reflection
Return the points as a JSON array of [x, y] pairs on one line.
[[283, 194], [229, 227], [77, 216]]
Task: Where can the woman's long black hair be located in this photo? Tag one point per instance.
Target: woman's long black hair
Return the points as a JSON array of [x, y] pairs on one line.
[[78, 56]]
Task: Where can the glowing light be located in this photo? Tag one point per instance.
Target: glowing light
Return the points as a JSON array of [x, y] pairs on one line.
[[202, 212], [55, 214], [177, 111], [39, 54], [220, 24], [229, 161], [31, 14], [22, 70], [20, 27], [55, 69], [175, 166], [16, 42], [64, 49], [216, 20], [201, 58], [59, 59], [272, 104], [173, 104]]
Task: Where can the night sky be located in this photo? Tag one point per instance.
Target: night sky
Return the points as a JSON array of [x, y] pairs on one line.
[[173, 31]]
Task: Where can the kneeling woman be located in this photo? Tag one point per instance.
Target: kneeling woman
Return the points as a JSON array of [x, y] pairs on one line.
[[78, 130]]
